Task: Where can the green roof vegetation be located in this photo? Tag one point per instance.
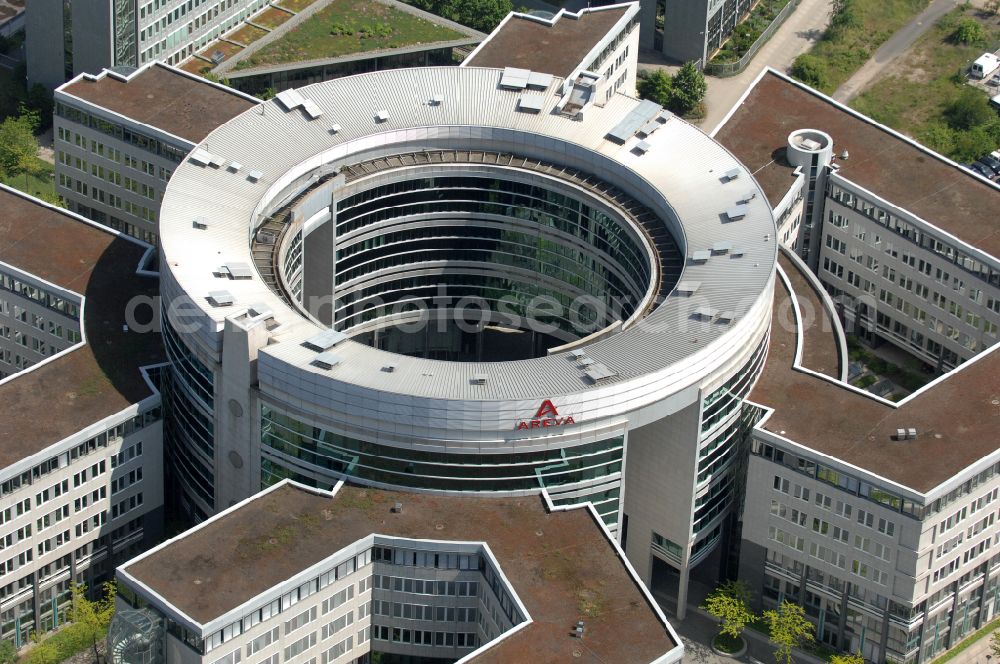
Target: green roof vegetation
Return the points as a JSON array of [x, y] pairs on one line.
[[349, 26]]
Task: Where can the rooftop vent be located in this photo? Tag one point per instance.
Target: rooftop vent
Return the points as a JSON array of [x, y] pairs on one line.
[[389, 368], [335, 129], [397, 508], [325, 340], [201, 223], [326, 360], [726, 316], [254, 176], [437, 99], [200, 157], [530, 103], [234, 167], [311, 109], [586, 361], [537, 79], [736, 252], [722, 247], [732, 174], [513, 78], [701, 256], [290, 99], [642, 147], [651, 126], [688, 287], [215, 161], [577, 353], [598, 372], [636, 118], [747, 197], [221, 298], [236, 271], [382, 116], [259, 310], [479, 379], [705, 313], [737, 212], [905, 434]]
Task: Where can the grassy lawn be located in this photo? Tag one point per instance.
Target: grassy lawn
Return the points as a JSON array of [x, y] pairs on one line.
[[296, 5], [967, 641], [914, 101], [862, 26], [349, 26], [42, 187]]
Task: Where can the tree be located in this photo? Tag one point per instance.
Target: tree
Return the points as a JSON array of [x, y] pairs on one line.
[[94, 616], [8, 653], [848, 658], [730, 603], [788, 628], [40, 101], [810, 70], [969, 31], [688, 89], [18, 146], [657, 86], [970, 109]]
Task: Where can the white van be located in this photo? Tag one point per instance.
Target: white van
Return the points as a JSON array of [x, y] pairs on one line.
[[985, 64]]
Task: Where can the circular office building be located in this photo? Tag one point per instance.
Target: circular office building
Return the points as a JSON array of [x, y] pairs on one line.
[[468, 280]]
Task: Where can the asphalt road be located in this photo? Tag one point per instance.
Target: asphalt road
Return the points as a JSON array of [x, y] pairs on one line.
[[893, 48]]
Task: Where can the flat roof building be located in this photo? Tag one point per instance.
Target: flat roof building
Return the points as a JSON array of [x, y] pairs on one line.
[[80, 488], [66, 39], [360, 570], [418, 199], [594, 48], [119, 137], [876, 515]]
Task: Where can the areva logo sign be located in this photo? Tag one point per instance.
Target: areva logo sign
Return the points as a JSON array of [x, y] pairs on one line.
[[546, 416]]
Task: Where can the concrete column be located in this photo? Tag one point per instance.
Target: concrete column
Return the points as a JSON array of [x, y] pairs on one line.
[[952, 617], [884, 642], [242, 338], [35, 601], [682, 591], [842, 627], [983, 601]]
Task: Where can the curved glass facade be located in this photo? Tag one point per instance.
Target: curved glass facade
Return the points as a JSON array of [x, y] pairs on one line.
[[723, 430], [188, 396], [495, 240], [292, 448]]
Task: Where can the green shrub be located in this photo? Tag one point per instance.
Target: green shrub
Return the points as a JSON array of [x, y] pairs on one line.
[[810, 70], [969, 31]]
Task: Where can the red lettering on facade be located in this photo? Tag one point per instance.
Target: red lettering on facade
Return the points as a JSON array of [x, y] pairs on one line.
[[546, 409], [541, 421]]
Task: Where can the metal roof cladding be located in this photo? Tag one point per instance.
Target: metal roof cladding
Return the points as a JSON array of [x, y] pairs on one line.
[[684, 178]]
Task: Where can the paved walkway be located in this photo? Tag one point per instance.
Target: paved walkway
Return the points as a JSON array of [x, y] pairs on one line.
[[893, 48], [978, 653], [698, 629], [799, 32]]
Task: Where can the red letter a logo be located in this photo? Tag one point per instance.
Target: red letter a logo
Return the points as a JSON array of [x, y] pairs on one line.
[[546, 409]]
